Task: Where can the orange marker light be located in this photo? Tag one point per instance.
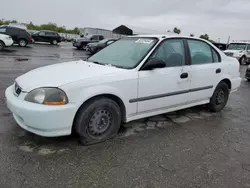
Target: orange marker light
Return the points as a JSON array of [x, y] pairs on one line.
[[55, 103]]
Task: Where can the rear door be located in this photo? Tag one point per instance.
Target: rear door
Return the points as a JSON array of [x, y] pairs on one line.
[[165, 88], [14, 33], [41, 37], [206, 70]]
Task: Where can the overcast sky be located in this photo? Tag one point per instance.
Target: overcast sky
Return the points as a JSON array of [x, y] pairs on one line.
[[218, 18]]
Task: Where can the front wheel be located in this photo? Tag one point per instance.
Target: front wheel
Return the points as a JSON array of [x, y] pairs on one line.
[[98, 120], [2, 46], [220, 97], [243, 60], [54, 42]]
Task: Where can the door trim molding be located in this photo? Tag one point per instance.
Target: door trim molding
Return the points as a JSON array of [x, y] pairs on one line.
[[169, 94]]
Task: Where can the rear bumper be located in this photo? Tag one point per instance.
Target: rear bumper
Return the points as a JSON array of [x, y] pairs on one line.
[[235, 82]]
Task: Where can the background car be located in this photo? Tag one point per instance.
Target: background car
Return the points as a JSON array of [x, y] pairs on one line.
[[239, 50], [19, 36], [47, 36], [247, 76], [5, 41], [81, 43], [97, 46]]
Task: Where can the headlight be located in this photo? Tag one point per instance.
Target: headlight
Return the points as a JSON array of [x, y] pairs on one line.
[[8, 37], [47, 96]]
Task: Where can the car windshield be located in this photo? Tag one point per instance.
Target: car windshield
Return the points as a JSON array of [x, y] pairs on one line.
[[103, 41], [125, 53], [237, 46]]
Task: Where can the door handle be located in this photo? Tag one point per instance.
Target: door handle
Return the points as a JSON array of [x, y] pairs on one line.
[[184, 75], [218, 71]]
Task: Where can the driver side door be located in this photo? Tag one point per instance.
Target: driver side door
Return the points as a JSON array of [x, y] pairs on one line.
[[162, 89]]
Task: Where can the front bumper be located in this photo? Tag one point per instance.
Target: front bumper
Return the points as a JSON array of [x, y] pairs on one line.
[[43, 120]]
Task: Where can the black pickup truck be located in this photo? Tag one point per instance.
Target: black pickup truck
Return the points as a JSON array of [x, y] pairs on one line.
[[81, 43]]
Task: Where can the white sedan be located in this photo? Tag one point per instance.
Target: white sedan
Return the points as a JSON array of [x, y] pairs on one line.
[[5, 41], [133, 78]]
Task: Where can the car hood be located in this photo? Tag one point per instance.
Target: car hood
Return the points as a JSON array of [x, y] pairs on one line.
[[233, 51], [61, 74]]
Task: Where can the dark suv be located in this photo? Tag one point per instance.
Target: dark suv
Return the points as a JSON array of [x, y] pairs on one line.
[[19, 36], [47, 36]]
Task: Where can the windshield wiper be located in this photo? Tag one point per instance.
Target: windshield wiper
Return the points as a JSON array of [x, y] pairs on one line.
[[97, 62]]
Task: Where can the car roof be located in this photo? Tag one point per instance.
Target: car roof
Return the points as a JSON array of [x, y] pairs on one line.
[[164, 36], [239, 42], [49, 31]]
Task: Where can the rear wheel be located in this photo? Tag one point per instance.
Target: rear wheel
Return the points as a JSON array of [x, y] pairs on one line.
[[220, 97], [54, 42], [2, 45], [22, 42], [243, 60], [98, 120]]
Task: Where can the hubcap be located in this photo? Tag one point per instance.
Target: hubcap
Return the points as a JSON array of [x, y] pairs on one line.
[[22, 43], [99, 123], [54, 42], [243, 61], [220, 97]]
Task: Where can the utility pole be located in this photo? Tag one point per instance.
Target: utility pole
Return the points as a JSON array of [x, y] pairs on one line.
[[228, 40]]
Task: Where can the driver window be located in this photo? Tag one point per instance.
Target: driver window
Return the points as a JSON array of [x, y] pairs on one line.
[[171, 52]]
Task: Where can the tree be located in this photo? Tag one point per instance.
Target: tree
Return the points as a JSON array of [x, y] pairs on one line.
[[206, 37], [176, 30]]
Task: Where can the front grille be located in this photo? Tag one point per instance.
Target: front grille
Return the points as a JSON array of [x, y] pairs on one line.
[[229, 53], [17, 89]]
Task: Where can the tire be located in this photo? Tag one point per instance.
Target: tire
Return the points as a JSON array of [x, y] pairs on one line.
[[22, 43], [243, 60], [78, 48], [54, 42], [248, 80], [2, 46], [97, 121], [220, 97]]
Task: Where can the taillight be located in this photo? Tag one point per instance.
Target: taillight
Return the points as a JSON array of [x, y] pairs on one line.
[[30, 37]]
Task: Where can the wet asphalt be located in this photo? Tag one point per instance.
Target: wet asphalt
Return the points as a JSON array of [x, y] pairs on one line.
[[188, 148]]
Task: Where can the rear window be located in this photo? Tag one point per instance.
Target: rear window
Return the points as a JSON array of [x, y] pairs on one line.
[[2, 30]]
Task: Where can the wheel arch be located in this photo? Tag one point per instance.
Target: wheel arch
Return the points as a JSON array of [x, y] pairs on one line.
[[115, 98], [2, 42], [227, 81]]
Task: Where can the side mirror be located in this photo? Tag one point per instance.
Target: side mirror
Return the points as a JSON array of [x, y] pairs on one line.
[[153, 64]]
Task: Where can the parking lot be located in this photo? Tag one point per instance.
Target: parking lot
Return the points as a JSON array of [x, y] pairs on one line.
[[188, 148]]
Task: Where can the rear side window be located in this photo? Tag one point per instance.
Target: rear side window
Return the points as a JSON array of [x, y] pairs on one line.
[[201, 52], [215, 56], [50, 34], [13, 31], [3, 30], [95, 37], [101, 37]]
